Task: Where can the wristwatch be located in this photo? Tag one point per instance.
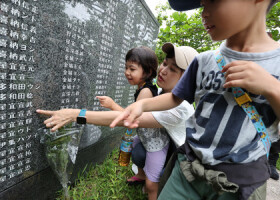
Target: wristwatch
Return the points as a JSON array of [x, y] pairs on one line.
[[81, 119]]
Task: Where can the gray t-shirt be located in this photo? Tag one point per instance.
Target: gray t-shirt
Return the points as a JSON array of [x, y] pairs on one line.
[[220, 131]]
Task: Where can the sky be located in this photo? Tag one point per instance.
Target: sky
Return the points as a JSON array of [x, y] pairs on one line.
[[153, 3]]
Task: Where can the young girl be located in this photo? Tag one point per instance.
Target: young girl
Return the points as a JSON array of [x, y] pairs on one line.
[[140, 69]]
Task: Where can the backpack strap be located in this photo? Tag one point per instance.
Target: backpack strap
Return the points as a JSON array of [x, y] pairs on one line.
[[244, 100]]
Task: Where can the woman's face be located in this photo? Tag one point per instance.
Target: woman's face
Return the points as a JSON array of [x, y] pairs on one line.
[[169, 74]]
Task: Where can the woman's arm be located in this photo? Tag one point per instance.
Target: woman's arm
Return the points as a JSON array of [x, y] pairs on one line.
[[59, 118]]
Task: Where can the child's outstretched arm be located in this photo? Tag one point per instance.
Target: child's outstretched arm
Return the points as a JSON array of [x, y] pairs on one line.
[[108, 102], [255, 79], [132, 112]]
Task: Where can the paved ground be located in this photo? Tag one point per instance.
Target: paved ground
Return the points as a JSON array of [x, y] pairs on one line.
[[273, 189]]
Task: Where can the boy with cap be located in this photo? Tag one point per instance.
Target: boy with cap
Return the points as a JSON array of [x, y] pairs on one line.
[[223, 156]]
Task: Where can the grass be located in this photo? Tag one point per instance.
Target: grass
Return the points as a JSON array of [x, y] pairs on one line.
[[105, 181]]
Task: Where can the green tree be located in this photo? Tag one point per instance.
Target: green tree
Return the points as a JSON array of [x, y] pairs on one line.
[[187, 30], [273, 22]]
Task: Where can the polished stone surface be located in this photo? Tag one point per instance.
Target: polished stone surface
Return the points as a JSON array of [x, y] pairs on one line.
[[61, 54]]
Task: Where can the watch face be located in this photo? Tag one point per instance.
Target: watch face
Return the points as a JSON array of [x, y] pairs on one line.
[[81, 120]]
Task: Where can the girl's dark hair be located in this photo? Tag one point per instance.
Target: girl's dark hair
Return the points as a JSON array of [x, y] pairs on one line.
[[145, 57], [272, 2]]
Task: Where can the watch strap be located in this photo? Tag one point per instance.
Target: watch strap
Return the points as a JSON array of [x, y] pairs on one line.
[[82, 113]]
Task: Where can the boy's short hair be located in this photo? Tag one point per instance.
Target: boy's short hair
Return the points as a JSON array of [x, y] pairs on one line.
[[145, 57]]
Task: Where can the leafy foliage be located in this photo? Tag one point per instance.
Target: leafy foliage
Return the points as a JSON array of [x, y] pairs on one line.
[[182, 29], [105, 181], [273, 22]]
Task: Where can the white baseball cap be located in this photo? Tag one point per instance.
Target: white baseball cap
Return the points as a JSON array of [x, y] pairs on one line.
[[184, 55]]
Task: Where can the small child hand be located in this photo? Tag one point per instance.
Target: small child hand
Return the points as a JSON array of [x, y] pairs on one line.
[[106, 102], [250, 76]]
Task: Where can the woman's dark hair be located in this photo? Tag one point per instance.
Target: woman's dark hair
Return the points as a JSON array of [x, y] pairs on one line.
[[171, 54], [145, 57]]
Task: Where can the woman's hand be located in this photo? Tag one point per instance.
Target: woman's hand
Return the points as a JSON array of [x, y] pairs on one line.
[[59, 118]]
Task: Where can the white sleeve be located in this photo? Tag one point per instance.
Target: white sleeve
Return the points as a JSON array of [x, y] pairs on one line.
[[173, 121]]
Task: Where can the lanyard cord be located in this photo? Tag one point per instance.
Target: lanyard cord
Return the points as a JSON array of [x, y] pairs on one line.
[[243, 100]]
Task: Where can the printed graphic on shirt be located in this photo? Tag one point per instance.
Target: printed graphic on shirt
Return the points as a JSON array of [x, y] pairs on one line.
[[220, 130]]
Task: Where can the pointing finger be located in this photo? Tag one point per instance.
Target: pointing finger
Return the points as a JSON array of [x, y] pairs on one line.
[[45, 112], [100, 97]]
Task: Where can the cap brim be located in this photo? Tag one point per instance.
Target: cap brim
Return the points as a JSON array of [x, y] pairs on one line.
[[183, 5]]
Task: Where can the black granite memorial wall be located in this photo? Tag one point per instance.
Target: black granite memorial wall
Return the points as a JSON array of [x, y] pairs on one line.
[[61, 54]]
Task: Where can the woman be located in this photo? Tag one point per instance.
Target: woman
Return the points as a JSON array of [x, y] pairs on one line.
[[170, 71]]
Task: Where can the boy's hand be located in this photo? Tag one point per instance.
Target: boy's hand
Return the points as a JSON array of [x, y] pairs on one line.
[[106, 102], [130, 115], [250, 76], [59, 118]]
